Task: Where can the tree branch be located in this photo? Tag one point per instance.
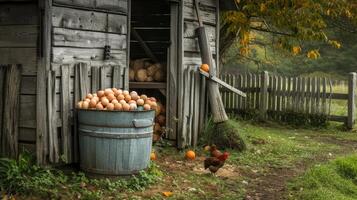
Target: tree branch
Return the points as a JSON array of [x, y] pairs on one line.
[[273, 32]]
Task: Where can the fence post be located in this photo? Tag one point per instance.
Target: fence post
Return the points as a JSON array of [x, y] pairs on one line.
[[352, 79], [264, 95]]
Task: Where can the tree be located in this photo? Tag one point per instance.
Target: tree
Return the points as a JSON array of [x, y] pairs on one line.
[[292, 24]]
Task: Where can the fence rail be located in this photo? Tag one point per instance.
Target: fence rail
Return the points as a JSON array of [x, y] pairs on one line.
[[277, 97]]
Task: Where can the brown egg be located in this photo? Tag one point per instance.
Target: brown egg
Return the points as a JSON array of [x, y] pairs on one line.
[[147, 107], [153, 99], [144, 97], [133, 106], [125, 92], [94, 94], [89, 96], [114, 101], [148, 101], [140, 102], [79, 104], [100, 93], [85, 105], [111, 97], [114, 90], [122, 102], [118, 106], [127, 98], [120, 97], [153, 105], [108, 91], [92, 103], [132, 101], [99, 106], [104, 101], [133, 93], [126, 107], [134, 96], [88, 100], [95, 98], [117, 93], [110, 106]]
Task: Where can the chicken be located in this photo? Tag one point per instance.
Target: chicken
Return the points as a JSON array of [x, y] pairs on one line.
[[215, 163], [214, 151]]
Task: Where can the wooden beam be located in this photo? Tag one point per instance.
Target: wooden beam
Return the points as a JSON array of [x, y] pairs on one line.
[[2, 78], [352, 84], [9, 138], [42, 67], [144, 45], [224, 84]]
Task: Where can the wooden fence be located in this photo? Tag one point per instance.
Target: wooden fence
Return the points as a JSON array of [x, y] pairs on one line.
[[278, 97]]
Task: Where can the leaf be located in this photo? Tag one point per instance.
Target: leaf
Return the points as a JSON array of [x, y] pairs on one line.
[[296, 50], [167, 194]]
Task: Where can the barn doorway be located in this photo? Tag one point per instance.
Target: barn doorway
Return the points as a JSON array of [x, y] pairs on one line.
[[149, 52]]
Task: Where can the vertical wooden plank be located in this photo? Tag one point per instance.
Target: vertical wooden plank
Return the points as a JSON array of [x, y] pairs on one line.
[[239, 86], [203, 102], [10, 132], [254, 93], [264, 94], [352, 80], [308, 96], [196, 95], [270, 88], [324, 96], [303, 95], [43, 65], [65, 110], [294, 94], [2, 82], [259, 85], [274, 95], [313, 94], [298, 95], [318, 98], [231, 97], [103, 76], [117, 78], [191, 107], [95, 79], [126, 78], [278, 93], [283, 94], [83, 80], [53, 149], [249, 87], [172, 71]]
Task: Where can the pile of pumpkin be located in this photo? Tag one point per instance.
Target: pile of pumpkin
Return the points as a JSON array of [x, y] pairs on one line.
[[143, 70], [113, 99]]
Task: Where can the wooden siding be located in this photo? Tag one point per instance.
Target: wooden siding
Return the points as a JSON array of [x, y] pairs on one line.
[[192, 102], [18, 45]]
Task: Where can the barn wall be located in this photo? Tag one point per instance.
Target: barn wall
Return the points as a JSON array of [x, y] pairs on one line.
[[80, 31], [192, 102], [19, 27]]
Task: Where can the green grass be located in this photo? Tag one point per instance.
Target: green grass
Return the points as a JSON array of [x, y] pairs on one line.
[[277, 146], [24, 178], [336, 180], [270, 147]]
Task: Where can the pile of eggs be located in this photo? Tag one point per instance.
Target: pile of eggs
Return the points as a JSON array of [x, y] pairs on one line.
[[118, 100]]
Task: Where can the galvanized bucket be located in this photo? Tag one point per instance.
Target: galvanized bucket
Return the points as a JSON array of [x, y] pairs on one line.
[[115, 143]]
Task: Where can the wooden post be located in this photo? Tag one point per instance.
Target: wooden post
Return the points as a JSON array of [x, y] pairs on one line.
[[352, 80], [264, 94]]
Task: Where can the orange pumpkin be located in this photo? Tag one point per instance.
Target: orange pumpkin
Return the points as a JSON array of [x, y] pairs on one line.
[[190, 155], [153, 156], [204, 67]]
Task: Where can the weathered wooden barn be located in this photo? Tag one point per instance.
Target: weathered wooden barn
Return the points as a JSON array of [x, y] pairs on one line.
[[56, 51]]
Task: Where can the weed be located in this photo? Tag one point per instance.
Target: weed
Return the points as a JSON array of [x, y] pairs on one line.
[[24, 178]]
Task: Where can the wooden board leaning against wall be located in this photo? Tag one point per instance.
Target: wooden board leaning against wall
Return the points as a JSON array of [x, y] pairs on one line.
[[18, 45]]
